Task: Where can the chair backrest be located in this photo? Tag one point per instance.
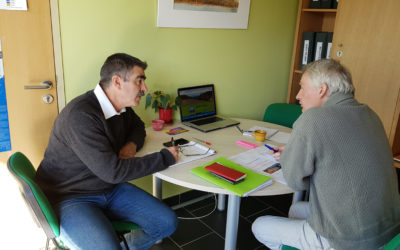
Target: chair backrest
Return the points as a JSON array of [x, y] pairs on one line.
[[42, 212], [394, 244], [282, 113]]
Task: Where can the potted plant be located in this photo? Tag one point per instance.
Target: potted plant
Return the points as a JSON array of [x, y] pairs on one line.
[[163, 103]]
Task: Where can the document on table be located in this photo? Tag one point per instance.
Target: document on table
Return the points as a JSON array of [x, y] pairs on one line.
[[261, 161], [270, 131], [281, 137], [193, 151], [272, 134]]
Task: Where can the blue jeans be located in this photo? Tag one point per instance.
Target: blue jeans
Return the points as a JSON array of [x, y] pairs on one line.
[[85, 221]]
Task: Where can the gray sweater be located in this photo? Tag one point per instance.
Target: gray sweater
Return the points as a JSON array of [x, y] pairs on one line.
[[340, 152], [82, 154]]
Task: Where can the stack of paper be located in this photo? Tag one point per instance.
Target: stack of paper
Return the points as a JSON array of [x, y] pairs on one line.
[[261, 161]]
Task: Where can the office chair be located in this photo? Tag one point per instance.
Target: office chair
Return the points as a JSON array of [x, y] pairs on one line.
[[282, 114], [39, 206], [394, 244], [284, 247]]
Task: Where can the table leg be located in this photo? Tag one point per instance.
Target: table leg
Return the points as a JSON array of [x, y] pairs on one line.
[[221, 202], [232, 222], [157, 187], [157, 192]]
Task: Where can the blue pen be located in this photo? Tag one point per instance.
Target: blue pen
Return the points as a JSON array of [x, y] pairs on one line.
[[271, 148]]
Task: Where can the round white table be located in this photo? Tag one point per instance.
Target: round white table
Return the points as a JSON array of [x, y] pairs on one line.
[[223, 141]]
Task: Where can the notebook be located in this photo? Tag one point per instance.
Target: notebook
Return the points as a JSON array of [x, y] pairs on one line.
[[198, 109], [253, 181], [225, 172]]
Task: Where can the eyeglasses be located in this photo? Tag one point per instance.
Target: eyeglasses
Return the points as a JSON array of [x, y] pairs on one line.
[[186, 146]]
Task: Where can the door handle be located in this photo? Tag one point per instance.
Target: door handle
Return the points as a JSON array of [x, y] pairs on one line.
[[43, 85]]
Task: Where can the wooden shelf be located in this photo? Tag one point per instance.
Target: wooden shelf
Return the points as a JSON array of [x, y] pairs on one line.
[[320, 10], [372, 62], [315, 20]]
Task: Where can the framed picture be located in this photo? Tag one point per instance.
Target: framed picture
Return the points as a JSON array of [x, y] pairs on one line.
[[221, 14]]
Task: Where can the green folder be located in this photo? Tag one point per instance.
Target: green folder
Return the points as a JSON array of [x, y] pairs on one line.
[[253, 181]]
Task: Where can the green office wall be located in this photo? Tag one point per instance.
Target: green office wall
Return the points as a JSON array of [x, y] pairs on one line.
[[249, 68]]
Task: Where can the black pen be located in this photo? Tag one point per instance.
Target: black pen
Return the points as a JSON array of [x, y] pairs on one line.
[[172, 141]]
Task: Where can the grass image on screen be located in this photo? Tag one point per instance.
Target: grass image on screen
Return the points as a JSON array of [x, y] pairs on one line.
[[197, 103]]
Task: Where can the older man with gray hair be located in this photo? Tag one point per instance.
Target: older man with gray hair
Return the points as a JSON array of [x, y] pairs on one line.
[[339, 151]]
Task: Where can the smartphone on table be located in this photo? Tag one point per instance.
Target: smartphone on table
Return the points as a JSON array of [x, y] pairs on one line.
[[179, 141]]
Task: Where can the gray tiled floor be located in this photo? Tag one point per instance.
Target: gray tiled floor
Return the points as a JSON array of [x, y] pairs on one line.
[[208, 233]]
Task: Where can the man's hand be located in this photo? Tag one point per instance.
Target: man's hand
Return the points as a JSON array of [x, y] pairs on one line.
[[174, 151], [277, 155], [128, 151]]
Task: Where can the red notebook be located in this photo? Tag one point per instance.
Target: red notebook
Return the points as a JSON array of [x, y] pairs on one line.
[[226, 172]]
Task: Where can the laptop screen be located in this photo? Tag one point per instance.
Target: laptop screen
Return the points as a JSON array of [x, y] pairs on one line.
[[197, 102]]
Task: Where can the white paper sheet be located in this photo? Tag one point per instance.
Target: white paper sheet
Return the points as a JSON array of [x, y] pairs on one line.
[[272, 134], [270, 131], [281, 137], [259, 160], [193, 148]]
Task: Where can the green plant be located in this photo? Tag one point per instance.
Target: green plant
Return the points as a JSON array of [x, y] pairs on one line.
[[160, 100]]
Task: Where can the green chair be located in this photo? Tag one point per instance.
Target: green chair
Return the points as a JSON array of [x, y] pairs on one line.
[[41, 210], [282, 113], [394, 244], [284, 247]]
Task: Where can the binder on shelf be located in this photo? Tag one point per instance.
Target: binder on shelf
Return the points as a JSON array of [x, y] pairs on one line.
[[315, 4], [320, 45], [253, 181], [308, 48], [334, 4], [326, 4], [329, 44]]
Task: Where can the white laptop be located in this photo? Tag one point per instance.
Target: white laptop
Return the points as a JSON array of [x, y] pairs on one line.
[[198, 109]]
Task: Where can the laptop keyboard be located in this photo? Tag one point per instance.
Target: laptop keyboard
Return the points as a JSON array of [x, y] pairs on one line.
[[206, 121]]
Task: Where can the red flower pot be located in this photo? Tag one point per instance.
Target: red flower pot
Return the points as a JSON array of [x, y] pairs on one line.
[[165, 114]]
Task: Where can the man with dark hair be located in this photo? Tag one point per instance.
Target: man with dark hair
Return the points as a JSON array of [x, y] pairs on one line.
[[91, 156], [338, 150]]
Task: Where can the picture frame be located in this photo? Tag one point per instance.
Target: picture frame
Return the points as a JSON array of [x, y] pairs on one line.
[[171, 14]]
